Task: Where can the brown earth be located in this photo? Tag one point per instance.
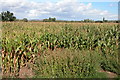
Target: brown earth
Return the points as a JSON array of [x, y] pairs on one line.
[[26, 72], [109, 74]]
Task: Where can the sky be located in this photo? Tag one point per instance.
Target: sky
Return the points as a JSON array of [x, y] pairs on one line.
[[62, 9]]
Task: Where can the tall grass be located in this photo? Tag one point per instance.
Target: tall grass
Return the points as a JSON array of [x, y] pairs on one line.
[[67, 63]]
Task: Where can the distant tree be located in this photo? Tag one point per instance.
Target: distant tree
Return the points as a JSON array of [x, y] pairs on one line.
[[45, 20], [99, 21], [25, 19], [7, 16], [49, 20], [53, 19], [88, 20], [117, 21], [104, 20]]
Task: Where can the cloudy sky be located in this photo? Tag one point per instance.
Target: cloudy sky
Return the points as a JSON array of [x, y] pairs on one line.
[[62, 9]]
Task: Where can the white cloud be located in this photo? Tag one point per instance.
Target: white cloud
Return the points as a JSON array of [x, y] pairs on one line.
[[33, 13], [113, 5], [64, 9], [99, 1]]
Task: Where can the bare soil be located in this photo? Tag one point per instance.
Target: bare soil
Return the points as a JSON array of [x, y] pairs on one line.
[[109, 74], [26, 72]]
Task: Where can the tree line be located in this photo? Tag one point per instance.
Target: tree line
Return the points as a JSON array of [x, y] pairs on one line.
[[8, 16]]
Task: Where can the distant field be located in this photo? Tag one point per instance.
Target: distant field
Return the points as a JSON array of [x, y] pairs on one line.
[[60, 50]]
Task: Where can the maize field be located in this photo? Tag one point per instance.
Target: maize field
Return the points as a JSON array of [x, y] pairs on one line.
[[59, 49]]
